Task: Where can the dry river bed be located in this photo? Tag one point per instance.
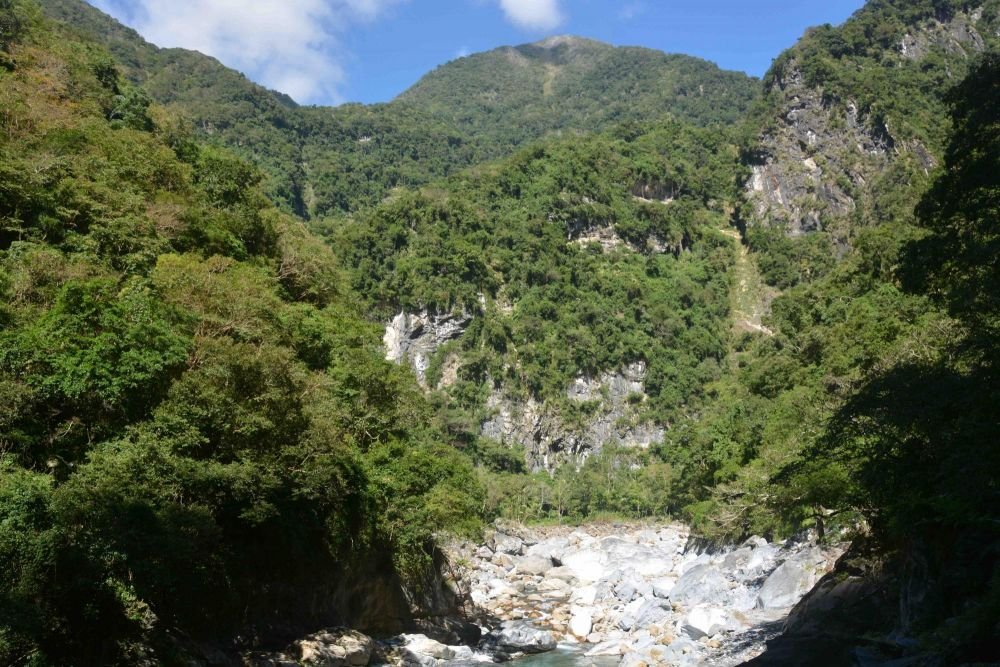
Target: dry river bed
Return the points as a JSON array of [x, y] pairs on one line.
[[635, 595], [605, 595]]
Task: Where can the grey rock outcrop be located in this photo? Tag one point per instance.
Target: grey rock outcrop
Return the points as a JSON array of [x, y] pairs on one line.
[[524, 637], [337, 647], [957, 36], [822, 157], [413, 338], [605, 593], [699, 585], [548, 441], [791, 580], [808, 170]]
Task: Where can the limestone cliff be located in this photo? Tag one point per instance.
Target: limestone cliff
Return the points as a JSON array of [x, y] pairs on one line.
[[601, 410], [823, 149], [610, 414]]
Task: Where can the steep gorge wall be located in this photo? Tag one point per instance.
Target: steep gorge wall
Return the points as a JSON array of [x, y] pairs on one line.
[[608, 408], [815, 166]]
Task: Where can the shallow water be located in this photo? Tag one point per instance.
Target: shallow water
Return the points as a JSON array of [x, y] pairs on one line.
[[565, 656]]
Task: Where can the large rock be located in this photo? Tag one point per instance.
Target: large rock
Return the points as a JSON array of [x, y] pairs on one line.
[[786, 585], [508, 544], [337, 647], [537, 565], [644, 612], [610, 647], [701, 584], [581, 622], [663, 586], [588, 566], [522, 636], [423, 645], [705, 621], [551, 548]]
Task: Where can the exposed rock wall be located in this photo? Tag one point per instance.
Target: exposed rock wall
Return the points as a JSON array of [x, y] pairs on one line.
[[816, 166], [549, 441], [610, 405], [957, 36], [810, 169], [414, 338]]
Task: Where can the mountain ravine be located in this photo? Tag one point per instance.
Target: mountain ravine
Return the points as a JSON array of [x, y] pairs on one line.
[[571, 354]]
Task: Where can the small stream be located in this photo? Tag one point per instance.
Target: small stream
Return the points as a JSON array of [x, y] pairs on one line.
[[567, 655]]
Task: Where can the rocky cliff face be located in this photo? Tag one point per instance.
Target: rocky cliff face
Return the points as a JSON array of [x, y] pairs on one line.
[[817, 163], [606, 409], [809, 170], [414, 338], [610, 414]]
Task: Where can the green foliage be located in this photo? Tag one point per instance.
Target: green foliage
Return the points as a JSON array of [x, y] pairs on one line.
[[616, 482], [198, 428], [515, 232], [567, 84], [784, 261], [322, 161], [956, 259]]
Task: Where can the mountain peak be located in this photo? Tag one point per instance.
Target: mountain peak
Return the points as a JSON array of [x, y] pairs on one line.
[[556, 41]]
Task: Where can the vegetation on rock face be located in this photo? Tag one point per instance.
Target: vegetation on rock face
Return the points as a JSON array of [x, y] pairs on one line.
[[875, 400], [517, 234]]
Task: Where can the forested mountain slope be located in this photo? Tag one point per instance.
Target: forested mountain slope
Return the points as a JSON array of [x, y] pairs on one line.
[[199, 438], [322, 161], [189, 376], [854, 120], [865, 192], [574, 295], [566, 83]]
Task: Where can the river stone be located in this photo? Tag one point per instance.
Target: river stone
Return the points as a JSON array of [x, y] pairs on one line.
[[508, 544], [610, 647], [584, 595], [337, 647], [582, 621], [662, 587], [561, 572], [586, 565], [555, 586], [737, 560], [762, 558], [786, 586], [522, 636], [705, 621], [644, 612], [499, 587], [503, 560], [538, 565], [424, 645], [702, 583], [551, 549]]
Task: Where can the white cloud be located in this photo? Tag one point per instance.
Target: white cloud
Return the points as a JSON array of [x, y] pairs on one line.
[[533, 14], [290, 45], [630, 10]]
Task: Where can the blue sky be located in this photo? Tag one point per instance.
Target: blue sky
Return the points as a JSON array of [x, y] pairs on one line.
[[334, 51]]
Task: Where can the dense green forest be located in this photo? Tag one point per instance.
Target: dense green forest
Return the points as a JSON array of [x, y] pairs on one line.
[[322, 161], [199, 429]]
